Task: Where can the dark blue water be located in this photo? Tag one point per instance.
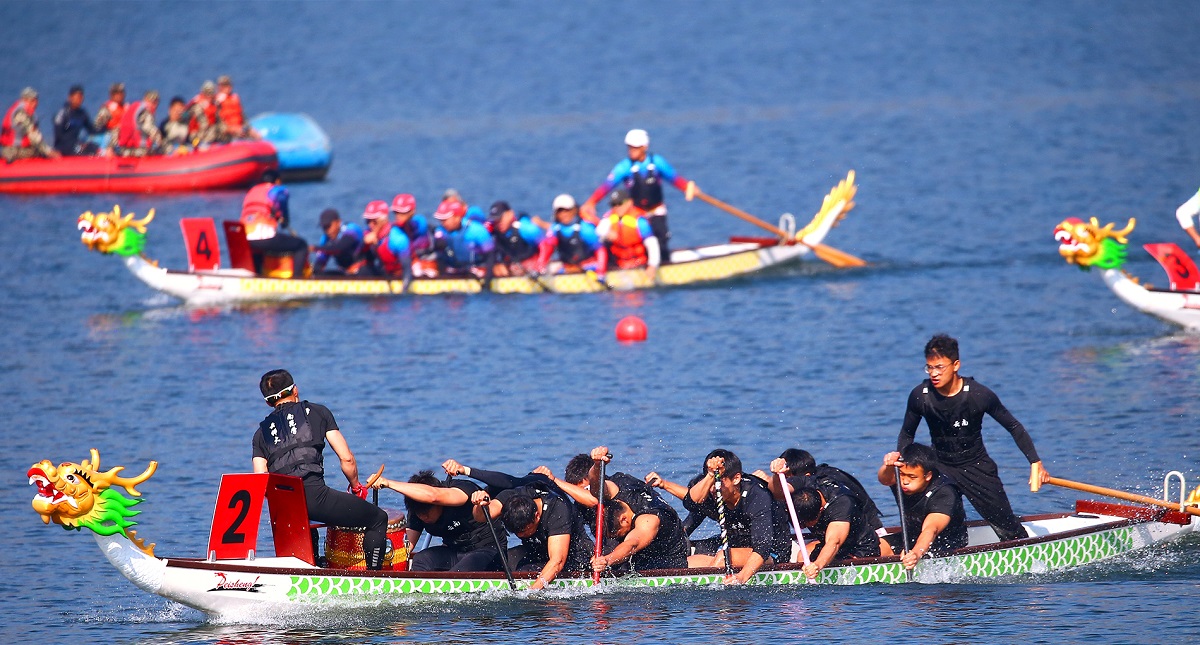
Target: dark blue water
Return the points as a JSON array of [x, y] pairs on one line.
[[974, 130]]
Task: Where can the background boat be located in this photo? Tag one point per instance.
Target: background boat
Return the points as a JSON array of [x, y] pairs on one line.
[[304, 150], [232, 165]]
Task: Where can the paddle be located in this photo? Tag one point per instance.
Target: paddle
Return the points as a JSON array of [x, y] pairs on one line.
[[371, 480], [487, 515], [721, 520], [903, 525], [1118, 494], [833, 256], [795, 521], [599, 521]]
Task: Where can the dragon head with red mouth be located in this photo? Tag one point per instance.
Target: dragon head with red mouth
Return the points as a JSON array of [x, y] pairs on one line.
[[1087, 244], [77, 496]]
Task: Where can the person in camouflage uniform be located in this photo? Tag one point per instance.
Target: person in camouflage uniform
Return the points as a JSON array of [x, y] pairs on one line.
[[19, 134]]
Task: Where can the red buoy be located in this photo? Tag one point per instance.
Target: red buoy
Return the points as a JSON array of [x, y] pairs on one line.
[[631, 329]]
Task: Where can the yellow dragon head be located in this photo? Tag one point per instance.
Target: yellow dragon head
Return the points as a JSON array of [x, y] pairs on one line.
[[76, 496], [1087, 244], [114, 233]]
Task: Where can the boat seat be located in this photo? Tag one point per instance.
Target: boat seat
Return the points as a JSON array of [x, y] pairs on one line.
[[240, 256]]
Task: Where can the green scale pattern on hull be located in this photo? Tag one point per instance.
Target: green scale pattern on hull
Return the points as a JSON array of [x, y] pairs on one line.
[[1034, 558]]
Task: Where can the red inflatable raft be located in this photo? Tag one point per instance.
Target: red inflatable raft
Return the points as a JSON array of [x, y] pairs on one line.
[[227, 166]]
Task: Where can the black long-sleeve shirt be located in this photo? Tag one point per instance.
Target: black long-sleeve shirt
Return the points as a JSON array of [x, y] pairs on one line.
[[956, 422]]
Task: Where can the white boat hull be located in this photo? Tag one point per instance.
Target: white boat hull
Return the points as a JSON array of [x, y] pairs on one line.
[[1177, 307]]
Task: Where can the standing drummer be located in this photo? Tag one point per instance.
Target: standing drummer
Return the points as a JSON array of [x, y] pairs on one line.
[[291, 440], [953, 407]]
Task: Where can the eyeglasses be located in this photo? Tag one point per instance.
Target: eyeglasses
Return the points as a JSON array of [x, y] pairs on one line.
[[937, 369]]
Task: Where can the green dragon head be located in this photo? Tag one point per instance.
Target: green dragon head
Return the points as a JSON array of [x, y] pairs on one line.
[[1087, 244]]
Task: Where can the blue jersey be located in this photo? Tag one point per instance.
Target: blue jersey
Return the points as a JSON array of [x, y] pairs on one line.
[[279, 197], [345, 249], [643, 179], [576, 242], [520, 242], [467, 247]]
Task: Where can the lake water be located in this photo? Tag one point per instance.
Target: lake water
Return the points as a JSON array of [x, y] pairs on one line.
[[974, 129]]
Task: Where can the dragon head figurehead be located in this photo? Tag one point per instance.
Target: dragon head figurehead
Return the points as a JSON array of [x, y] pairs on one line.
[[1087, 244], [114, 233], [76, 496]]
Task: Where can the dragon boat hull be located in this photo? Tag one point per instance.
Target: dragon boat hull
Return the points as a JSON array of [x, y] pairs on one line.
[[233, 286], [227, 166], [1176, 307], [240, 590]]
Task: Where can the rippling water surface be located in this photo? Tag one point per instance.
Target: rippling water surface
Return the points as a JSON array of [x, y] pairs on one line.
[[973, 129]]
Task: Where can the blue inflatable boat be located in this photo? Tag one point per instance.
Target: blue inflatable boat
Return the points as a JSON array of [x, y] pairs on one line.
[[305, 153]]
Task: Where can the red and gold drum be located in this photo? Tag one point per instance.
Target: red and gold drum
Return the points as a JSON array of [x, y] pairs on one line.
[[343, 545]]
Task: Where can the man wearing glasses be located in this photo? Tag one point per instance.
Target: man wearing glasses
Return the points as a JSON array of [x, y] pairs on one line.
[[953, 407]]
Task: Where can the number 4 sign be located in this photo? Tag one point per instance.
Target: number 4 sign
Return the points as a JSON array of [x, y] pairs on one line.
[[203, 247], [234, 533]]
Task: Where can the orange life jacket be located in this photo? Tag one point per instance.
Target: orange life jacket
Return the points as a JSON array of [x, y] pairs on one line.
[[8, 136], [207, 106], [130, 135], [628, 250], [229, 110], [258, 213], [116, 112]]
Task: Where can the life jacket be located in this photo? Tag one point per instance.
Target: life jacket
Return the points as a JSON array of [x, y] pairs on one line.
[[571, 247], [417, 230], [207, 106], [115, 113], [7, 135], [292, 447], [669, 548], [129, 135], [645, 184], [259, 213], [960, 444], [229, 110], [628, 250], [514, 246], [954, 536], [388, 260]]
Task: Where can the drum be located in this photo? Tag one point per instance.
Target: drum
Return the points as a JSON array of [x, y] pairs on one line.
[[343, 545]]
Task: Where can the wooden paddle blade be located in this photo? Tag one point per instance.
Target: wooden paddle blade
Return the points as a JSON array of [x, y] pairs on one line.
[[837, 258]]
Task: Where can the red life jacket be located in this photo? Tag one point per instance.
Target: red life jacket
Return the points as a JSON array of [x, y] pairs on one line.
[[628, 250], [229, 110], [207, 106], [116, 112], [129, 135], [387, 258], [259, 216], [7, 135]]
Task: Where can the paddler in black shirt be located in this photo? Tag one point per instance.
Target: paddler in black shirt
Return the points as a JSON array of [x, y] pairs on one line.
[[552, 534], [835, 519], [291, 440], [801, 470], [646, 531], [444, 509], [933, 506], [953, 408], [756, 524]]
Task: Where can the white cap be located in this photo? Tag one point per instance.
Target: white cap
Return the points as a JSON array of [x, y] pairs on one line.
[[563, 202], [637, 138]]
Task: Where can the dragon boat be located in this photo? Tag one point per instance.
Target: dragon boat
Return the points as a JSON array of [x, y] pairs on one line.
[[1086, 244], [230, 165], [236, 583], [206, 283]]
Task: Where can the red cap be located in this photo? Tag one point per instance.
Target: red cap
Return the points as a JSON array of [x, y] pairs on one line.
[[450, 208], [377, 209], [404, 203]]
